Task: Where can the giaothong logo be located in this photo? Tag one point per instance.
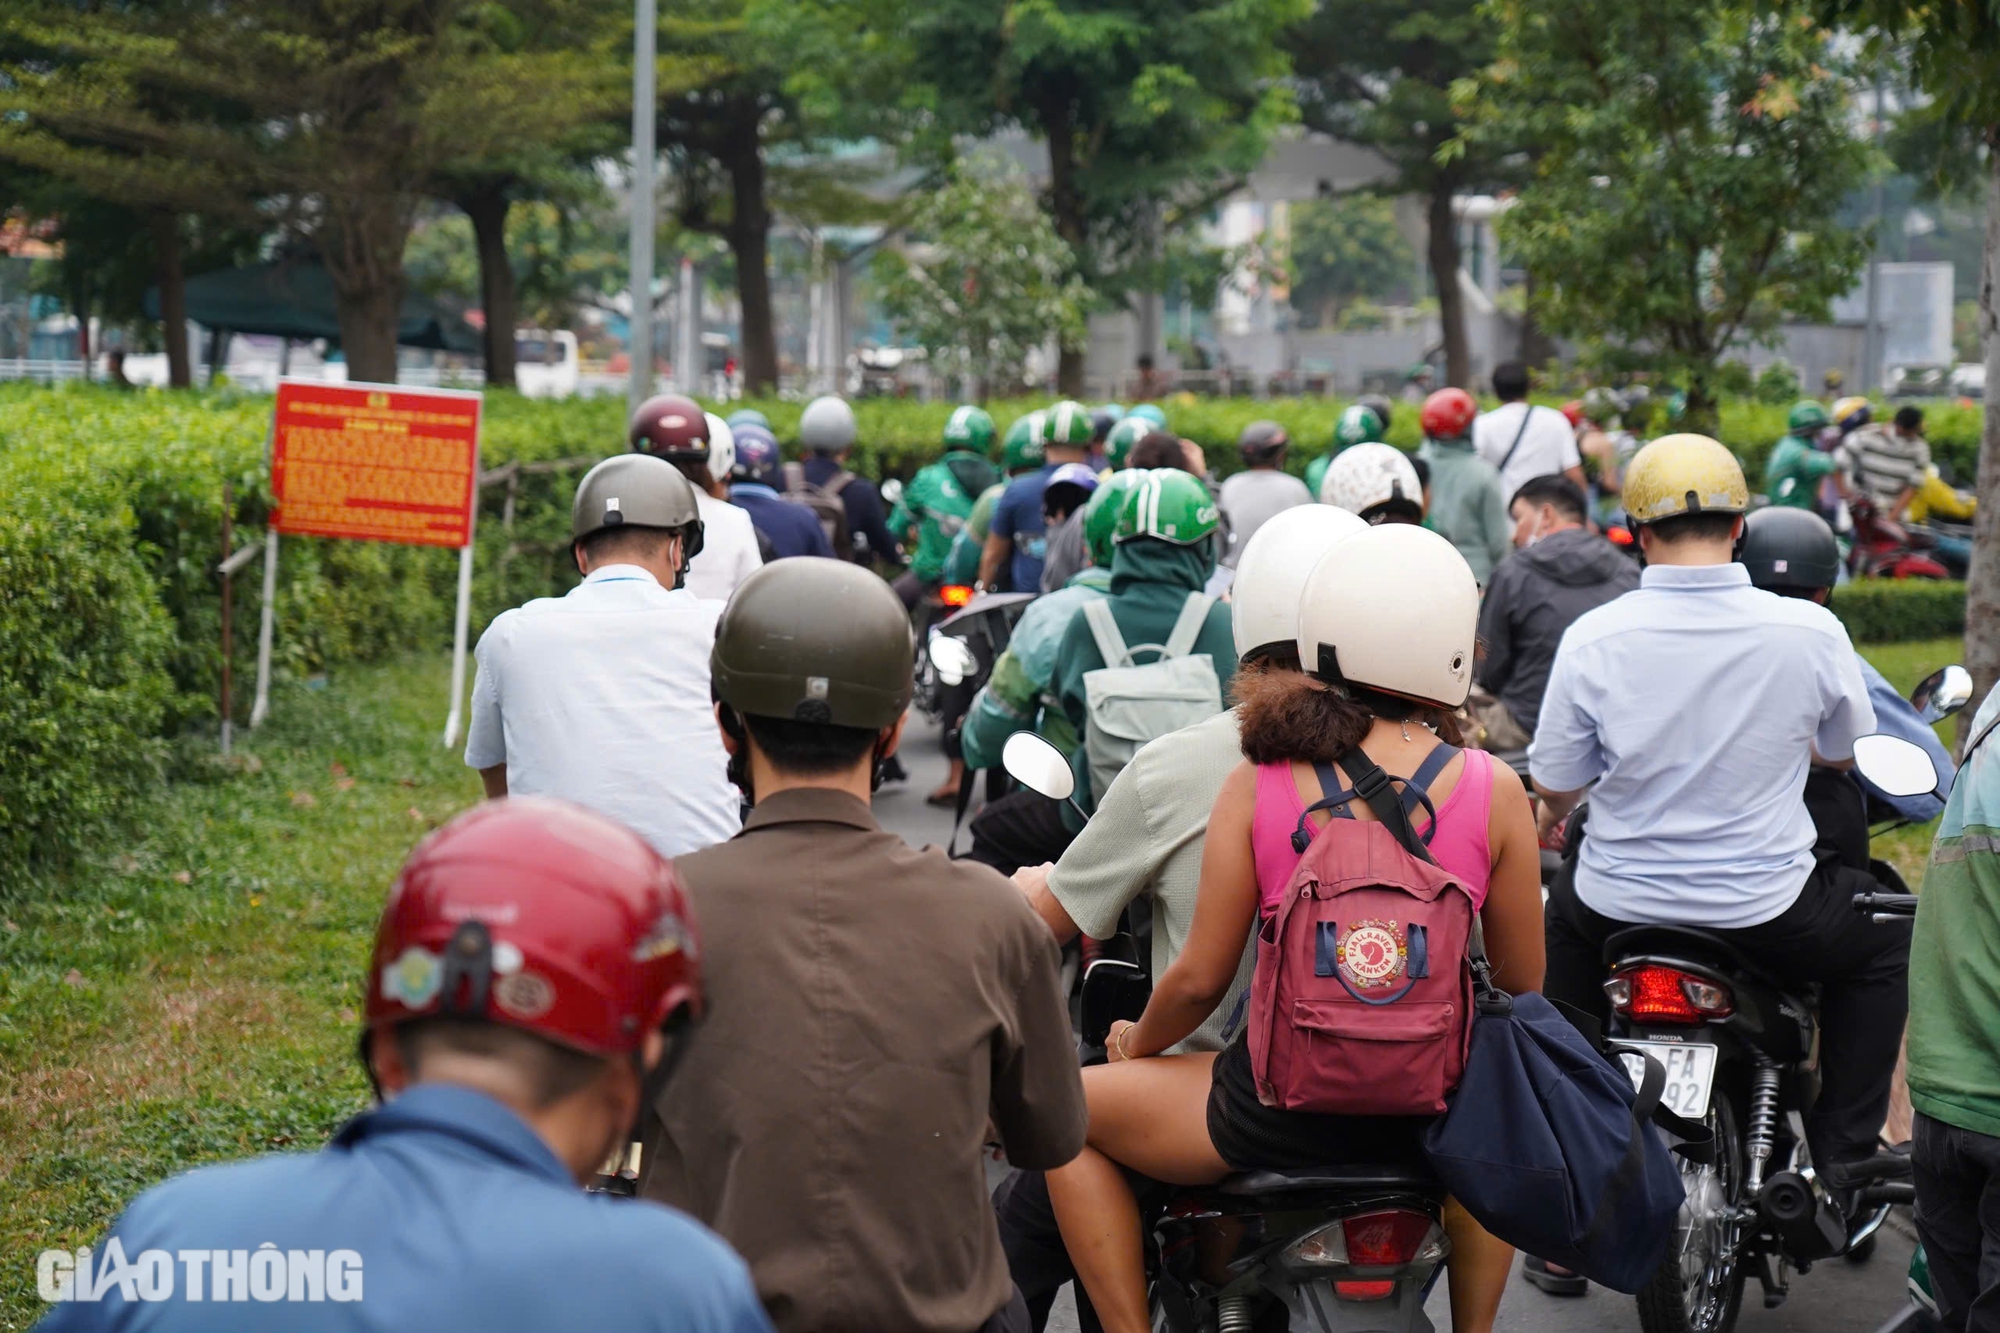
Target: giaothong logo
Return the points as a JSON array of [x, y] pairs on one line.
[[266, 1273]]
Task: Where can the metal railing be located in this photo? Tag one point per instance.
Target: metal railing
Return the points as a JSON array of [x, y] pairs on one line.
[[42, 369]]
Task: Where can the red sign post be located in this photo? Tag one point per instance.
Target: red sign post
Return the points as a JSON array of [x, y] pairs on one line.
[[372, 462]]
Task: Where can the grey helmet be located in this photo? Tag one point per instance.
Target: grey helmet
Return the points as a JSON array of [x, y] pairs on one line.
[[827, 426], [636, 490]]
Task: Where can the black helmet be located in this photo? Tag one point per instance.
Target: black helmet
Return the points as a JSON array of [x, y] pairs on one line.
[[1789, 550], [814, 640], [1262, 441]]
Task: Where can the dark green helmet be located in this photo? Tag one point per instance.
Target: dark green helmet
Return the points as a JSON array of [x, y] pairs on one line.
[[1118, 444], [1022, 450], [969, 428], [639, 491], [814, 640], [1068, 426], [1806, 415], [1102, 513], [1359, 424]]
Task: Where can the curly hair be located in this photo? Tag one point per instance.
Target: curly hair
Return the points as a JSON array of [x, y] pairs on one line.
[[1284, 715]]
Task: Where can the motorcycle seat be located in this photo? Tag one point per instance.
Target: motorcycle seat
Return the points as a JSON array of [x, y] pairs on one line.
[[1372, 1176], [1701, 946]]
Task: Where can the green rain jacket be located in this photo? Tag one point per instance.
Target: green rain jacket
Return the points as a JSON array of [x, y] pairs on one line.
[[1150, 582], [1467, 508], [961, 562], [937, 502], [1794, 471], [1016, 696]]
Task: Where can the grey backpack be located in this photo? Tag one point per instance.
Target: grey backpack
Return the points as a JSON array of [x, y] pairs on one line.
[[1126, 705]]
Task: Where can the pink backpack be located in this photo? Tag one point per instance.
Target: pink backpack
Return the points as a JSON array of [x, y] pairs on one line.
[[1361, 1003]]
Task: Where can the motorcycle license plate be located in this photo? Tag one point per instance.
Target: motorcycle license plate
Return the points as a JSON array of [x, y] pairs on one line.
[[1690, 1072]]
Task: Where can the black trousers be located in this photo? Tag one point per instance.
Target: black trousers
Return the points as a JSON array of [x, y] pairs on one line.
[[1958, 1220], [1036, 1258], [1010, 1318], [1022, 828], [1862, 969]]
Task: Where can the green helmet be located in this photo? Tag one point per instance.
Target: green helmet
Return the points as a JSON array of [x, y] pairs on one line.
[[969, 428], [1806, 415], [1068, 426], [1357, 425], [1118, 444], [814, 640], [747, 416], [1022, 449], [1102, 512], [1150, 413], [1171, 505]]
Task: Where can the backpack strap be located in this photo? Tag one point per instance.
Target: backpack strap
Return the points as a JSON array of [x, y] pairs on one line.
[[837, 483], [1104, 628], [1187, 629], [1519, 435], [1377, 788], [1339, 799]]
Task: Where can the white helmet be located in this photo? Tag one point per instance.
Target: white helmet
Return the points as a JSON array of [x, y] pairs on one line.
[[1363, 476], [827, 425], [721, 448], [1396, 609], [1271, 573]]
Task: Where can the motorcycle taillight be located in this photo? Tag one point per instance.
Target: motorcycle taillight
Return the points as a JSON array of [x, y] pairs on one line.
[[1667, 996], [1391, 1238], [954, 594]]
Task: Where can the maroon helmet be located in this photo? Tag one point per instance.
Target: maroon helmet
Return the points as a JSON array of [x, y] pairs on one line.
[[670, 426]]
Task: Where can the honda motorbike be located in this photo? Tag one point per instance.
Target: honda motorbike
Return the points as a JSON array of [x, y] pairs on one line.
[[1338, 1249], [1742, 1056]]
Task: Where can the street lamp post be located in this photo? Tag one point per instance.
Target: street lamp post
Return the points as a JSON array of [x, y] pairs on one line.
[[644, 34]]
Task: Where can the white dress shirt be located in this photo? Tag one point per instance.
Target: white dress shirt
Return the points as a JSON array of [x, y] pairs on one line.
[[602, 697], [1548, 446], [728, 553], [1695, 702]]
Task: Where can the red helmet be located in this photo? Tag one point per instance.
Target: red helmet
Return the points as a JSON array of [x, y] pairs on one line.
[[672, 427], [543, 916], [1448, 414], [1573, 410]]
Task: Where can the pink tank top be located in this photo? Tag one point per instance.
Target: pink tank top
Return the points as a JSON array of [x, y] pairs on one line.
[[1460, 844]]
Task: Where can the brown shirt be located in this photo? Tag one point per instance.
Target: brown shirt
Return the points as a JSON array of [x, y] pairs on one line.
[[870, 1008]]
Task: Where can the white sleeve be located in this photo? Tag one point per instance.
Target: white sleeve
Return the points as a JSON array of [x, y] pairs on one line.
[[486, 735], [1571, 455], [1850, 713], [1564, 755]]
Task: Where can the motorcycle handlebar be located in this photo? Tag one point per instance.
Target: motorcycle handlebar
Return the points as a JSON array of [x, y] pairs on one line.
[[1894, 904]]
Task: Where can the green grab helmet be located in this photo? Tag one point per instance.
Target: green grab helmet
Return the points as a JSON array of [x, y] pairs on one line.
[[1151, 413], [1022, 450], [1171, 505], [747, 416], [1806, 415], [969, 428], [1067, 425], [1118, 444], [1102, 512], [1359, 424]]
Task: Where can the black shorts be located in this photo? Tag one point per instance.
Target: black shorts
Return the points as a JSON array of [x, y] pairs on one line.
[[1251, 1136]]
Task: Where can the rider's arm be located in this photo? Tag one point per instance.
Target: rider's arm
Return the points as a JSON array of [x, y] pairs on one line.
[[1033, 882], [1225, 909], [1512, 914], [1037, 1096], [1565, 756], [494, 780], [1848, 712], [1113, 860], [1004, 705], [486, 732], [1494, 665], [999, 544]]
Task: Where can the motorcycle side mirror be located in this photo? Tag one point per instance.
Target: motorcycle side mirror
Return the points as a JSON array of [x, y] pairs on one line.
[[1894, 766], [1037, 765], [1942, 693], [892, 492], [953, 658]]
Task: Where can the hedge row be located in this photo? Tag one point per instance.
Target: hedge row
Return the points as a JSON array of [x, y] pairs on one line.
[[111, 529]]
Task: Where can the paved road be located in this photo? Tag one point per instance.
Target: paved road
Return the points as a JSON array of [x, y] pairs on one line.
[[1834, 1298]]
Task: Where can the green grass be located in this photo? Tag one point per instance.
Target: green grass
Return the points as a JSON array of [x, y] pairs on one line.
[[1905, 664], [190, 993]]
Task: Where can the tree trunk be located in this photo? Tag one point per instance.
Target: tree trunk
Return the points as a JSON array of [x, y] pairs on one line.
[[79, 305], [1066, 211], [1442, 250], [1536, 348], [166, 228], [1982, 590], [486, 204], [363, 249], [749, 241]]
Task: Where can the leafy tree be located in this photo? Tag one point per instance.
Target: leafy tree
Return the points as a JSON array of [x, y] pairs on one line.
[[1953, 52], [1692, 156], [1342, 249], [1152, 110], [1380, 73], [983, 280]]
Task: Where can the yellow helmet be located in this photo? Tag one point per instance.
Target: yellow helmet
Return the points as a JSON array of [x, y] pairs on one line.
[[1851, 412], [1684, 474]]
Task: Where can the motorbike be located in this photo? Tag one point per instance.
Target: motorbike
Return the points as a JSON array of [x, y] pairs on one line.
[[1742, 1053], [1884, 548], [1338, 1249], [956, 651]]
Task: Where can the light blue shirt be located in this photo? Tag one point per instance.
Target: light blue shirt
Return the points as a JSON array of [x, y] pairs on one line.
[[1895, 717], [1694, 703], [450, 1215]]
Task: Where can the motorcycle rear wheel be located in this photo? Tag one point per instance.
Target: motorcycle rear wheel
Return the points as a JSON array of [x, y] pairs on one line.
[[1699, 1288]]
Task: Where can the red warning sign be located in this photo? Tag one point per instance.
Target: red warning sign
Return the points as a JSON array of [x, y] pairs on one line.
[[375, 463]]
